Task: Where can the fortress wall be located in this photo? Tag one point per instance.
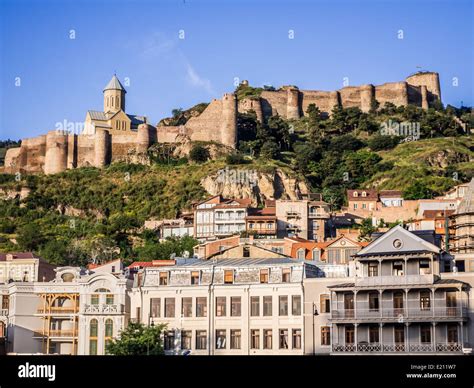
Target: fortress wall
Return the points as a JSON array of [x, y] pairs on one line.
[[168, 134], [325, 101], [394, 92], [207, 126], [274, 102], [293, 103], [143, 138], [120, 146], [248, 104], [229, 120], [85, 150], [101, 148], [414, 95], [350, 96], [430, 80]]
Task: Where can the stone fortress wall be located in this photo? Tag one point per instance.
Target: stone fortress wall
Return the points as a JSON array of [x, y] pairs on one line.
[[56, 151]]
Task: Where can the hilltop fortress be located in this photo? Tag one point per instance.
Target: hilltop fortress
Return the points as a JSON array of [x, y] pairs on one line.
[[113, 135]]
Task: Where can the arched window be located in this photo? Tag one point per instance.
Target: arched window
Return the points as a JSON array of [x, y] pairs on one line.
[[109, 328], [316, 254], [300, 254], [93, 330], [364, 194], [355, 194], [117, 101]]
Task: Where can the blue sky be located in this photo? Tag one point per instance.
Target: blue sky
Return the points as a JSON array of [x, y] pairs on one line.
[[61, 78]]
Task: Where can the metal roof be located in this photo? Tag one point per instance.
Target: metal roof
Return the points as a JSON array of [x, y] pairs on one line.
[[236, 262], [97, 115], [114, 84]]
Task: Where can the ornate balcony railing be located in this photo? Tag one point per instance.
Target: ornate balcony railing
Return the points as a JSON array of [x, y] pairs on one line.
[[397, 348], [3, 312], [399, 313], [55, 333], [102, 309], [57, 310], [394, 280]]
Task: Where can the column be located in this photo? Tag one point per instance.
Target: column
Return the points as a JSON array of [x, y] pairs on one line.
[[355, 335], [407, 333], [433, 301], [355, 304], [380, 303], [380, 336], [434, 336]]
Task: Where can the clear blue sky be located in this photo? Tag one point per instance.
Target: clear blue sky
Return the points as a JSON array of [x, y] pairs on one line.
[[61, 78]]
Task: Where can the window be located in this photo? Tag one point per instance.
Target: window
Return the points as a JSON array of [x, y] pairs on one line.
[[374, 301], [220, 306], [296, 338], [451, 303], [93, 328], [283, 305], [220, 339], [425, 300], [399, 334], [285, 276], [169, 340], [163, 278], [425, 334], [246, 252], [325, 336], [155, 307], [201, 339], [460, 265], [373, 269], [264, 276], [364, 194], [109, 299], [300, 254], [235, 306], [452, 334], [195, 277], [255, 306], [397, 268], [235, 336], [187, 307], [316, 254], [364, 206], [374, 334], [169, 308], [283, 338], [255, 339], [349, 334], [296, 305], [398, 301], [324, 303], [93, 347], [355, 206], [229, 276], [267, 306], [425, 267], [186, 338], [201, 307], [95, 299], [109, 328], [267, 339]]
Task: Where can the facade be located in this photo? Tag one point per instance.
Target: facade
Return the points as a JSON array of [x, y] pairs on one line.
[[303, 218], [262, 223], [232, 306], [24, 267], [400, 298], [74, 314], [183, 226]]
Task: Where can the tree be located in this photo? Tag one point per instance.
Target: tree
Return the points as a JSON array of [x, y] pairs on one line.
[[418, 190], [199, 154], [269, 150], [366, 229], [138, 340], [29, 237], [383, 142]]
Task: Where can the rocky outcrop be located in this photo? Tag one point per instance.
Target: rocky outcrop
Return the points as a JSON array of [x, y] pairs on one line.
[[445, 158], [257, 185]]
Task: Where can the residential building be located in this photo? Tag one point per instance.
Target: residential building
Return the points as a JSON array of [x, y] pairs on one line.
[[262, 223], [77, 313], [179, 227], [391, 198], [226, 306], [24, 267], [400, 299]]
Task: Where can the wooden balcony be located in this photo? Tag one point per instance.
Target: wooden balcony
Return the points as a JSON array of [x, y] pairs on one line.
[[55, 333], [394, 348], [58, 310]]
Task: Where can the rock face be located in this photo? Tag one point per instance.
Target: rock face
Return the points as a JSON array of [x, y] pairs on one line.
[[259, 186], [445, 158]]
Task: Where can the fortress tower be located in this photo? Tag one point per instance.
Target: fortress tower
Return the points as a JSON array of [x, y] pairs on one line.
[[293, 103], [229, 120], [430, 80], [114, 96]]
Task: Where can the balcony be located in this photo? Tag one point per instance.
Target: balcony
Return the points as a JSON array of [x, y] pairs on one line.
[[399, 314], [397, 348], [103, 309], [55, 333], [58, 310], [292, 214], [4, 313], [375, 281]]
